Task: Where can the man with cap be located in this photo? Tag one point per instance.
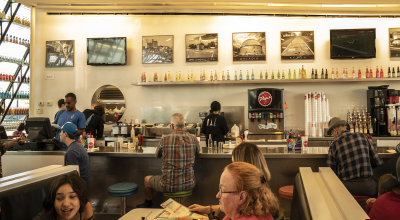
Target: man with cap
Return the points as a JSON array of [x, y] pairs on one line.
[[386, 206], [352, 157], [76, 154]]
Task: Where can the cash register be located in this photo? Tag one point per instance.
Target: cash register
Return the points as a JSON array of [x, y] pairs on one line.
[[40, 135]]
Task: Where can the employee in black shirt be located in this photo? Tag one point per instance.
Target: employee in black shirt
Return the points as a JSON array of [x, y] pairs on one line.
[[215, 124], [94, 121]]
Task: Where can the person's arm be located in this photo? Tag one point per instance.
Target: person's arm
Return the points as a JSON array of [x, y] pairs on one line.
[[81, 124], [71, 158], [331, 158], [374, 158], [204, 209], [224, 126], [100, 129]]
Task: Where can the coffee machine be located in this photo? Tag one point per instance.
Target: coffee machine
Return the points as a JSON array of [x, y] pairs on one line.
[[376, 106], [266, 115]]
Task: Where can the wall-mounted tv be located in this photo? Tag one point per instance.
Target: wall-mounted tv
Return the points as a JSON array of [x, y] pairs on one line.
[[353, 43], [106, 51]]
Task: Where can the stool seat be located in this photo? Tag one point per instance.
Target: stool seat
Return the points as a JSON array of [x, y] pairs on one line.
[[178, 194], [286, 192], [123, 189]]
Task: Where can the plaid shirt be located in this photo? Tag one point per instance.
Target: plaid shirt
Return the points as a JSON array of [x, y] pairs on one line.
[[351, 155], [178, 151]]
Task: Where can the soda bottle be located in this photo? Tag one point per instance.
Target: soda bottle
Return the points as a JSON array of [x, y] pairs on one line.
[[359, 73], [272, 76], [377, 72], [389, 73], [381, 73], [326, 73], [228, 76], [283, 74], [290, 74], [247, 75], [279, 75], [241, 75], [236, 77], [367, 73], [223, 75], [261, 75], [266, 74], [215, 75], [252, 74]]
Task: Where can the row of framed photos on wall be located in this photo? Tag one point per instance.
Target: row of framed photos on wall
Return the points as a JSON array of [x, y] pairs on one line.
[[246, 46]]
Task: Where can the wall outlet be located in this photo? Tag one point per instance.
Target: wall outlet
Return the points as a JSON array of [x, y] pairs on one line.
[[41, 103], [49, 76], [49, 103], [39, 111]]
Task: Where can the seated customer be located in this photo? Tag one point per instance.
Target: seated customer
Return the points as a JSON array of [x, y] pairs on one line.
[[386, 206], [243, 194], [20, 130], [244, 152], [178, 151], [352, 157], [67, 199]]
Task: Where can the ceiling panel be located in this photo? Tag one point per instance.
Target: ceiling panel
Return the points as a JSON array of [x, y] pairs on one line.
[[351, 7]]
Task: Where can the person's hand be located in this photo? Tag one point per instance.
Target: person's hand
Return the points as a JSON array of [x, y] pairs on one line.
[[199, 209], [370, 201], [21, 139]]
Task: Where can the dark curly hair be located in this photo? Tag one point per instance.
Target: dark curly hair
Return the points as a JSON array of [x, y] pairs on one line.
[[77, 184]]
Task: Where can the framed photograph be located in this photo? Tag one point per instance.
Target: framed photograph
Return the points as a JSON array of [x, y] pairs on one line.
[[60, 53], [201, 47], [394, 42], [158, 49], [297, 45], [248, 46]]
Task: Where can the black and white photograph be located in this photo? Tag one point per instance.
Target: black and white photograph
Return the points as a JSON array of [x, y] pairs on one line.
[[201, 47], [394, 42], [248, 46], [60, 53], [297, 45], [158, 49]]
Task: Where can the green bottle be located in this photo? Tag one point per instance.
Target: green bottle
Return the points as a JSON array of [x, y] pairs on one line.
[[283, 74], [266, 74], [290, 74], [252, 74], [247, 75], [279, 75], [272, 76], [241, 75], [236, 77], [261, 75]]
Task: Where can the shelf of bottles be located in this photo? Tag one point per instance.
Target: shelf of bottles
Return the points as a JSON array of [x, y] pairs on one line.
[[12, 49], [265, 76]]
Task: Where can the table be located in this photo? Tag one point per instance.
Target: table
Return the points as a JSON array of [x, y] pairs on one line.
[[137, 214]]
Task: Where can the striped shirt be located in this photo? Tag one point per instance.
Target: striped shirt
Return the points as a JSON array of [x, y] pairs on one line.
[[351, 155], [178, 151]]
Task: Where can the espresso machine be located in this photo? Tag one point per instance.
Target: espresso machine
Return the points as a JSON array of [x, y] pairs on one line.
[[266, 114], [376, 106]]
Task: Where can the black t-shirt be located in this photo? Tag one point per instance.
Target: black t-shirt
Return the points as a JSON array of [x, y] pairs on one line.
[[216, 126]]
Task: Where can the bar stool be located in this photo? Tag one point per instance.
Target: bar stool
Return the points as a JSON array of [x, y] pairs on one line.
[[123, 189], [178, 196], [286, 192]]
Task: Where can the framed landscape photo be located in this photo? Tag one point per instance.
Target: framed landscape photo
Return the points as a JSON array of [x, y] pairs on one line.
[[394, 42], [201, 47], [60, 53], [248, 46], [297, 45], [158, 49]]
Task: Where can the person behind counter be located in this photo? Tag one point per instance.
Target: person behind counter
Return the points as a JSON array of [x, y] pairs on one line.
[[215, 124], [244, 152], [71, 115], [61, 107], [94, 121], [352, 157], [178, 151], [76, 154], [67, 199]]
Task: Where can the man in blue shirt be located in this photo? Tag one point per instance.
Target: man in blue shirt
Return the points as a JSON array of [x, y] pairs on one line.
[[71, 115], [76, 154]]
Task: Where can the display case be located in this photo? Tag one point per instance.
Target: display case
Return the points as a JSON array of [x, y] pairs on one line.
[[14, 63]]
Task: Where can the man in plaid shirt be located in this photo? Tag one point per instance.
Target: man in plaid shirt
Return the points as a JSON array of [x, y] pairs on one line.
[[352, 157], [178, 151]]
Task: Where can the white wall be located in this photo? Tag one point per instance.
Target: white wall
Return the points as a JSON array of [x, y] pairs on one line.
[[84, 80]]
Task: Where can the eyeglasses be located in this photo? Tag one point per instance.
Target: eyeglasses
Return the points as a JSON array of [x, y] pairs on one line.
[[220, 191]]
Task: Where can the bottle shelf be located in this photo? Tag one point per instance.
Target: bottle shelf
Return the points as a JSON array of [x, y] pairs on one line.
[[25, 24], [265, 81], [6, 41], [13, 60]]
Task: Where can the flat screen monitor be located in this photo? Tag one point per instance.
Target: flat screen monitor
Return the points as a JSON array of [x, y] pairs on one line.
[[38, 128], [265, 99], [353, 43], [106, 51]]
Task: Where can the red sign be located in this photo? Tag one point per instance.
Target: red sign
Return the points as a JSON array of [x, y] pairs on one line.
[[265, 99]]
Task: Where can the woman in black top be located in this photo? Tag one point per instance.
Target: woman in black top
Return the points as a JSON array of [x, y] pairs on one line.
[[215, 124]]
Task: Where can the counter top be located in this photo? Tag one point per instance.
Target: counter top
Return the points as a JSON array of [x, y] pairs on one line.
[[149, 152]]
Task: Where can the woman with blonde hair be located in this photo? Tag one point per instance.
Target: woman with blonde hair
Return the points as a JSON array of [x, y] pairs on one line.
[[250, 153]]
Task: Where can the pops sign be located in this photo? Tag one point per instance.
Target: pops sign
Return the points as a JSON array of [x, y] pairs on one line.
[[265, 98]]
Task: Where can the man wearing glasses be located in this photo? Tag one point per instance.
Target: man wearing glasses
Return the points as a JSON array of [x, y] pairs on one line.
[[71, 115]]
